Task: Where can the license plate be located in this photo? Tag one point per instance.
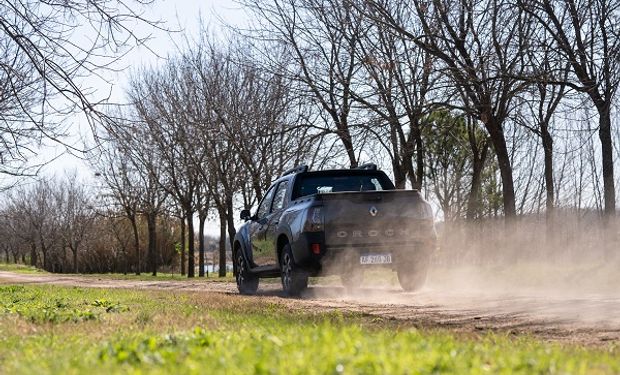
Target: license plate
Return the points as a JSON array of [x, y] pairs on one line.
[[376, 259]]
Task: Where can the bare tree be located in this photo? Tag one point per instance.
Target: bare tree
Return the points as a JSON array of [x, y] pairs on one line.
[[34, 213], [149, 172], [11, 241], [321, 38], [18, 86], [176, 212], [76, 215], [549, 76], [121, 190], [397, 84], [585, 34], [161, 111], [480, 46], [47, 49]]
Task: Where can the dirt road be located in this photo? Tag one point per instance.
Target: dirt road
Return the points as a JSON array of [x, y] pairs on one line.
[[586, 319]]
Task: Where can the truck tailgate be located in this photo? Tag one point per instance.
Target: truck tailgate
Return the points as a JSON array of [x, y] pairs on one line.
[[375, 218]]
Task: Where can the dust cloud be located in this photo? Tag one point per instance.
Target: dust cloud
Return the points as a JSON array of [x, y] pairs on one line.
[[565, 269]]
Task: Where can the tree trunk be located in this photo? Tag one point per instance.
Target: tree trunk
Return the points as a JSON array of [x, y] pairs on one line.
[[408, 167], [607, 157], [503, 159], [408, 151], [75, 260], [183, 246], [33, 254], [345, 138], [230, 217], [473, 202], [400, 179], [202, 217], [191, 267], [136, 244], [419, 157], [151, 223], [125, 260], [45, 266], [258, 187], [547, 142], [6, 253], [222, 271], [415, 139]]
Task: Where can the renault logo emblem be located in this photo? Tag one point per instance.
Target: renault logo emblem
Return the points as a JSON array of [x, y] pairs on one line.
[[373, 211]]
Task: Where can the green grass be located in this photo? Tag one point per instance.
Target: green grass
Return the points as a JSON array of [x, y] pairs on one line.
[[145, 276], [20, 268], [161, 276], [61, 330]]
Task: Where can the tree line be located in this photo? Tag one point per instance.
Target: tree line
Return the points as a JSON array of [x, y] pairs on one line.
[[56, 225]]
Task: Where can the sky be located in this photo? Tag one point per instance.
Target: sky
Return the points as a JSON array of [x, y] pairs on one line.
[[181, 16]]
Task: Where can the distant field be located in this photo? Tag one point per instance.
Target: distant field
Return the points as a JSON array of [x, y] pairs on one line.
[[64, 330]]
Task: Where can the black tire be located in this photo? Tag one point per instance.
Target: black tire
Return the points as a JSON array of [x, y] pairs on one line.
[[294, 279], [412, 273], [247, 283]]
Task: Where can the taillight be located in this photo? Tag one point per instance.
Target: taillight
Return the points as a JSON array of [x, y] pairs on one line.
[[314, 220], [316, 248]]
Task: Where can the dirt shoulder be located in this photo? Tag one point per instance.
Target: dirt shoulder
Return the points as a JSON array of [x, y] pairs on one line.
[[590, 320]]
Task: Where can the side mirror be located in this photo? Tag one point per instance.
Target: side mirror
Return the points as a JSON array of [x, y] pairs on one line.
[[246, 215]]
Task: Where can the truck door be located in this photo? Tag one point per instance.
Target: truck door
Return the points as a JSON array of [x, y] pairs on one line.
[[258, 228], [278, 205]]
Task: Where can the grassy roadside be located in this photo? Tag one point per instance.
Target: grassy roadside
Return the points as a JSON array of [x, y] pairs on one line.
[[145, 276], [52, 329], [20, 268], [212, 277]]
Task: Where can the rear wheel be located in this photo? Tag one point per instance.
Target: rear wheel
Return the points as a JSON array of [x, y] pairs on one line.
[[412, 273], [247, 283], [294, 279]]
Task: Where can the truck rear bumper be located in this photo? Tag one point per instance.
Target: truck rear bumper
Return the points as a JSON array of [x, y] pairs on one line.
[[338, 259], [335, 259]]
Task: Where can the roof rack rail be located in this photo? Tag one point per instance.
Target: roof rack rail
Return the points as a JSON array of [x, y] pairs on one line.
[[298, 169], [367, 167]]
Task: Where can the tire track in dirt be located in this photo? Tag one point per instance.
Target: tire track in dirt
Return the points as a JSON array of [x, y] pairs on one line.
[[589, 320]]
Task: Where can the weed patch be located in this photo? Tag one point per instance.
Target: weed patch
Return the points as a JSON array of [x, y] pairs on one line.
[[37, 306]]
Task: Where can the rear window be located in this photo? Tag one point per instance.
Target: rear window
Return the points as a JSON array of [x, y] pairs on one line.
[[314, 184]]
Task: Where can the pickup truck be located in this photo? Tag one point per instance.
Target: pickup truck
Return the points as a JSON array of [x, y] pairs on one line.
[[315, 223]]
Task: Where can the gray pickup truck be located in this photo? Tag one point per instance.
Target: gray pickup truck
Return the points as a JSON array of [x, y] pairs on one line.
[[316, 223]]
